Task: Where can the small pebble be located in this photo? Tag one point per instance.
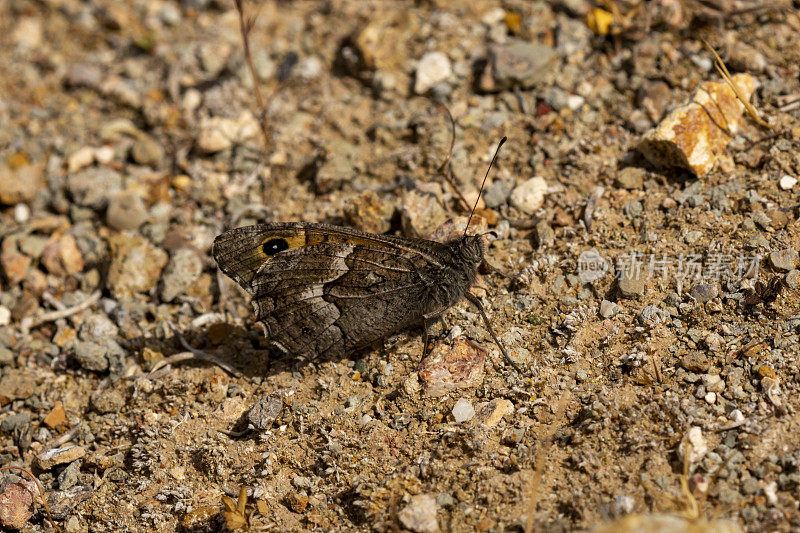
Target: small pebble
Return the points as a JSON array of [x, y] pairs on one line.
[[22, 213], [631, 178], [420, 514], [83, 157], [107, 401], [609, 309], [91, 356], [703, 292], [135, 265], [433, 67], [5, 316], [693, 446], [787, 182], [792, 279], [58, 456], [631, 285], [544, 234], [783, 260], [183, 269], [265, 411], [490, 414], [463, 410], [529, 195], [15, 506], [147, 151]]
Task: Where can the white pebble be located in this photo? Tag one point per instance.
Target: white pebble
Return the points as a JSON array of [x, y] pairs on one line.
[[711, 398], [787, 182], [104, 155], [5, 316], [736, 416], [575, 101], [769, 492], [433, 68], [529, 195], [309, 68], [21, 213], [463, 410], [693, 446], [81, 158]]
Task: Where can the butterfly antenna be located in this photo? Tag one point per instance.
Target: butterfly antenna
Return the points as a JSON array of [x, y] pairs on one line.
[[478, 199]]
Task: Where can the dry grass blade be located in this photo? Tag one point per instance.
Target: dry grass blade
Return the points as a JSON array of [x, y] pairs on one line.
[[41, 492], [723, 71], [245, 26]]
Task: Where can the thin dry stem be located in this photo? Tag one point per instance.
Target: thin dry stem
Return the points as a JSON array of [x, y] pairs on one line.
[[245, 26], [29, 323], [723, 71], [445, 169], [193, 354]]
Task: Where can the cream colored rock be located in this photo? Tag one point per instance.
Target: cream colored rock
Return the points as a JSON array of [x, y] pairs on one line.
[[694, 135]]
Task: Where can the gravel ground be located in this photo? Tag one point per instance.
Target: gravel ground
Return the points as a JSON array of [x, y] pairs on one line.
[[654, 312]]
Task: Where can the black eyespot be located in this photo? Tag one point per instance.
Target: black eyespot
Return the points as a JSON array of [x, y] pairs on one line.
[[273, 246]]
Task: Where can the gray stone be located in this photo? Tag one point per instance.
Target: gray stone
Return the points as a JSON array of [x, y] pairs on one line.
[[6, 356], [608, 309], [517, 63], [98, 328], [68, 477], [107, 401], [703, 292], [147, 151], [126, 210], [544, 234], [631, 178], [652, 315], [183, 269], [14, 422], [265, 411], [497, 193], [91, 356], [783, 260], [633, 209], [94, 187], [793, 279]]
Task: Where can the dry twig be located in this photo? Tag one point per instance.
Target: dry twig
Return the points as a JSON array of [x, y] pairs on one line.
[[31, 322]]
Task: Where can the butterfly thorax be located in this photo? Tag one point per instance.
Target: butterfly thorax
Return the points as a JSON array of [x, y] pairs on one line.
[[448, 282]]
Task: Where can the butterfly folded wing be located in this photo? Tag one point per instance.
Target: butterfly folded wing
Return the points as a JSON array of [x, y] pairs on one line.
[[329, 291]]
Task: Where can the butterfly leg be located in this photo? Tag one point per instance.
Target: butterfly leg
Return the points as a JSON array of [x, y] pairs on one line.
[[477, 303], [428, 322]]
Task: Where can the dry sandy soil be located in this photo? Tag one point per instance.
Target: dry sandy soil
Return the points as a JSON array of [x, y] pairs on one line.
[[130, 138]]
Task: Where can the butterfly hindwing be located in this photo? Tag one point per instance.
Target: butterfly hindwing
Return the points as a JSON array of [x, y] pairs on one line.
[[323, 290]]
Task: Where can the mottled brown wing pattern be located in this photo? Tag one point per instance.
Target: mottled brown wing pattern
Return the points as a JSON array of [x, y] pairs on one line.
[[328, 290]]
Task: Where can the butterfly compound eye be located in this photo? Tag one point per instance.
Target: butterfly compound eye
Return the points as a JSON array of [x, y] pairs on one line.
[[273, 246]]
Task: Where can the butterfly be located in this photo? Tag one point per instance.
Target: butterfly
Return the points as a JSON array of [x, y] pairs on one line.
[[327, 291]]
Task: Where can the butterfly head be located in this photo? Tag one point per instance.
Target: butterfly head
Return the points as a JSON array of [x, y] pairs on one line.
[[470, 248]]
